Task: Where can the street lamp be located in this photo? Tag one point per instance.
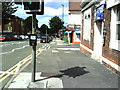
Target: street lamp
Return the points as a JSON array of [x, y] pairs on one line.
[[62, 18], [62, 12]]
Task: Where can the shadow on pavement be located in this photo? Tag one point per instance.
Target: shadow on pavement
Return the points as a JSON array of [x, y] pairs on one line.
[[74, 71], [71, 72]]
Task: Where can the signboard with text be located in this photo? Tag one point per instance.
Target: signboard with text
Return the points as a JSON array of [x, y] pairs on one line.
[[99, 12]]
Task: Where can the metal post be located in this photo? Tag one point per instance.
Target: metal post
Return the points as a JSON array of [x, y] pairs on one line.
[[62, 12], [46, 34], [33, 48], [62, 19]]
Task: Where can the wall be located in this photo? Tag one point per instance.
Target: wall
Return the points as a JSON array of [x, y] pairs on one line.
[[74, 19], [111, 54], [89, 44]]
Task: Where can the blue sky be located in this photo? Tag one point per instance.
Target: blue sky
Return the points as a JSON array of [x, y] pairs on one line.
[[52, 8]]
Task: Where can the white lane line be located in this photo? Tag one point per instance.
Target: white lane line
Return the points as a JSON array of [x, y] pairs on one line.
[[4, 72], [19, 63], [14, 50], [68, 48], [11, 44], [1, 45]]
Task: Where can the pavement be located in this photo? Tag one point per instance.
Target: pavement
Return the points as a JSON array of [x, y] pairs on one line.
[[63, 65]]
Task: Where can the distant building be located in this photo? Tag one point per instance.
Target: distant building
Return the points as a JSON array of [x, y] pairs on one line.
[[101, 31], [74, 21], [14, 26]]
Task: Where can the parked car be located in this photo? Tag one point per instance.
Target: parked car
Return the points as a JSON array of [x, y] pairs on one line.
[[45, 39], [7, 37], [18, 37]]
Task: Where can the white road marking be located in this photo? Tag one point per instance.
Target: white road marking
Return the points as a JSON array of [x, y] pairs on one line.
[[14, 49], [68, 48], [67, 52], [54, 51], [10, 44], [4, 72]]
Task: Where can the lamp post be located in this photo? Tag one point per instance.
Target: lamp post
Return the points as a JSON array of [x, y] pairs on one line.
[[62, 12], [62, 18]]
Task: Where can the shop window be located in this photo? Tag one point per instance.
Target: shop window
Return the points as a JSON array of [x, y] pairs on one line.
[[115, 28], [118, 32], [117, 12]]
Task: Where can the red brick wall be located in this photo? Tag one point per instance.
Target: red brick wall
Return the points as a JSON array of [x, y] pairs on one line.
[[110, 54]]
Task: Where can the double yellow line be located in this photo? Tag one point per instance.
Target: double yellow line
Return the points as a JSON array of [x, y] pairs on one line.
[[13, 69]]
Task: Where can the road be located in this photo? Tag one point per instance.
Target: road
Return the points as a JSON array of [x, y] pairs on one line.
[[75, 69], [12, 53], [65, 61]]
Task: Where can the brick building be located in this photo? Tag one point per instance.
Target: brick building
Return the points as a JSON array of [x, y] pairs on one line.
[[101, 31], [14, 26], [74, 22]]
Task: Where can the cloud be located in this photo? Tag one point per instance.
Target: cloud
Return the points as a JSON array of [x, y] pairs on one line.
[[21, 14], [43, 20], [53, 12], [56, 4]]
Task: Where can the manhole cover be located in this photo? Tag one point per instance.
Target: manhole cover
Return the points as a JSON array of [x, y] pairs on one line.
[[45, 74]]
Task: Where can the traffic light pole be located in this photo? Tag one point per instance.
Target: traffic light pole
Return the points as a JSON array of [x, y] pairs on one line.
[[33, 48]]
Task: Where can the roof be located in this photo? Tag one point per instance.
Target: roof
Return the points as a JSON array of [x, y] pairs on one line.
[[74, 5]]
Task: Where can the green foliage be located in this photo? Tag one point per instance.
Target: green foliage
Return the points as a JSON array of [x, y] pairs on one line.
[[43, 29], [65, 34], [55, 24], [7, 10]]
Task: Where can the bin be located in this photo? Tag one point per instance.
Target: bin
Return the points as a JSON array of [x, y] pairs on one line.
[[65, 39]]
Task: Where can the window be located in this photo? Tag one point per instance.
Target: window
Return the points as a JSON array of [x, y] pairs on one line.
[[115, 28], [87, 25], [117, 12]]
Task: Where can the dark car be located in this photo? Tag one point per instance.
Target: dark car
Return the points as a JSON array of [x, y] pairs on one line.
[[45, 39]]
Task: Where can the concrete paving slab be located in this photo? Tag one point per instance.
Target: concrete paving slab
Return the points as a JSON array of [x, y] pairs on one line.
[[21, 81], [24, 81]]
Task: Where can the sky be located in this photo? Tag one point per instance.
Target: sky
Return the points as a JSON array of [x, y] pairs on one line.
[[51, 8]]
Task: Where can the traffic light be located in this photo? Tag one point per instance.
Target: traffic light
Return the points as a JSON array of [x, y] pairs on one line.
[[34, 7], [18, 2], [31, 4]]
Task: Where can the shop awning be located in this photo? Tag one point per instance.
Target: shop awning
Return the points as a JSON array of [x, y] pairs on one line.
[[68, 31], [77, 31]]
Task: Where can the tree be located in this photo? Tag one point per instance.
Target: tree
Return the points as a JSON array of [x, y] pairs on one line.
[[55, 24], [43, 29], [28, 24], [7, 10]]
